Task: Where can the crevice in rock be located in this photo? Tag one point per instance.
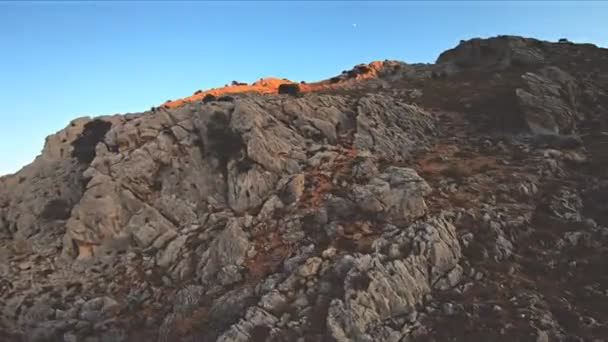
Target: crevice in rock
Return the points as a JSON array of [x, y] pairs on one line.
[[224, 142], [56, 209], [93, 133]]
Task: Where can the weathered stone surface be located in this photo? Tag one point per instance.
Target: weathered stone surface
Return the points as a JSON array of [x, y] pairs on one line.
[[248, 190], [273, 301], [147, 225], [254, 318], [337, 213], [548, 101], [499, 52], [398, 192], [229, 248], [172, 252], [377, 290], [310, 267], [392, 130]]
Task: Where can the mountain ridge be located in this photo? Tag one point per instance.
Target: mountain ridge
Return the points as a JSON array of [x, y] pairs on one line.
[[270, 85], [461, 200]]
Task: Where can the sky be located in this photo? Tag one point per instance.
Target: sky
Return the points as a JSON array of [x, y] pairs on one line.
[[60, 60]]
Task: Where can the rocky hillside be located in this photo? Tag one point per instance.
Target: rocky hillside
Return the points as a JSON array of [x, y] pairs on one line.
[[465, 200]]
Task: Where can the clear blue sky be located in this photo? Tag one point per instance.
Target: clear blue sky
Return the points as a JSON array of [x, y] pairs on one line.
[[61, 60]]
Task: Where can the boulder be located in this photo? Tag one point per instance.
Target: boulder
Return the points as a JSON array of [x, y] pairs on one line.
[[398, 193], [547, 101]]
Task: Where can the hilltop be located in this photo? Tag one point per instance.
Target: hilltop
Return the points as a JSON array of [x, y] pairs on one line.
[[462, 200], [271, 85]]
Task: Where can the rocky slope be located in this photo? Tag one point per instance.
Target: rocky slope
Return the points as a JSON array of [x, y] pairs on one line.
[[456, 201]]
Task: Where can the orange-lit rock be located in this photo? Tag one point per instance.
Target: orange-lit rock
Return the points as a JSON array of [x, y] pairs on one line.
[[271, 85]]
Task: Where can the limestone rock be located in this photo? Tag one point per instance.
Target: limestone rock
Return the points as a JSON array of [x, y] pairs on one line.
[[499, 52], [391, 130], [376, 290], [263, 217], [310, 267], [229, 248], [548, 101], [398, 192], [172, 252]]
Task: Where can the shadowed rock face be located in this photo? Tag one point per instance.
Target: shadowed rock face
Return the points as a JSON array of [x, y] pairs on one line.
[[84, 145], [495, 53], [395, 202]]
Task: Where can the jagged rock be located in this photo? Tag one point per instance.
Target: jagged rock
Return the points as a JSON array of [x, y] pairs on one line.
[[273, 301], [566, 204], [227, 309], [188, 298], [229, 248], [503, 248], [365, 168], [292, 264], [273, 204], [548, 101], [255, 217], [377, 290], [310, 267], [172, 252], [450, 280], [339, 208], [147, 225], [398, 192], [392, 131], [294, 189], [248, 190], [499, 52], [30, 199], [254, 318]]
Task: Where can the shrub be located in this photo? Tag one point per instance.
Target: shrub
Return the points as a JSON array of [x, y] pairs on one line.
[[226, 99], [289, 88], [209, 98], [362, 69]]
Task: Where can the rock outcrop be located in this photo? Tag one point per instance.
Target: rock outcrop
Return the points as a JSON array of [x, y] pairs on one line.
[[462, 200], [548, 101], [497, 53]]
